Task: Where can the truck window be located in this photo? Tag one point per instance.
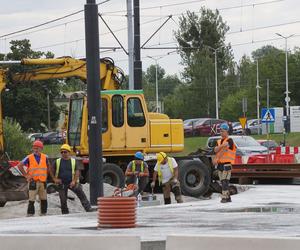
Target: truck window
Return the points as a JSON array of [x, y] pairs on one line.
[[135, 113], [104, 116], [75, 117], [117, 111]]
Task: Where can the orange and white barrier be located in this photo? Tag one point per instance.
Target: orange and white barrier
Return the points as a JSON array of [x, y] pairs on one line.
[[288, 150]]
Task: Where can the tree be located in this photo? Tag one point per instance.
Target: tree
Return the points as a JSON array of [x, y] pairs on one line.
[[27, 102], [197, 35]]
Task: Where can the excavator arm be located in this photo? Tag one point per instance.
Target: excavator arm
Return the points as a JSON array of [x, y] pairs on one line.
[[111, 77]]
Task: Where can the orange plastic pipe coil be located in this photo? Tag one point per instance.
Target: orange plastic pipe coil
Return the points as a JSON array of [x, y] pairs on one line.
[[116, 212]]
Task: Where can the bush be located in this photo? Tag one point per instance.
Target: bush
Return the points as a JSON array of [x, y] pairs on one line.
[[16, 144]]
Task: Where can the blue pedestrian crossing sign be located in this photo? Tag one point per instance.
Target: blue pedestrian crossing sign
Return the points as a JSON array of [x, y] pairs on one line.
[[267, 115]]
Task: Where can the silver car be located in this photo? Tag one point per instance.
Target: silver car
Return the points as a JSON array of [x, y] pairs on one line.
[[245, 145]]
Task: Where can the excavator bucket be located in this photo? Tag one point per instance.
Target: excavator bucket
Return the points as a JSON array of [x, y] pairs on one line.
[[12, 187]]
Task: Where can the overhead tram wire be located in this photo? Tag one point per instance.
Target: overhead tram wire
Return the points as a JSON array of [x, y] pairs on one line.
[[48, 22], [82, 39]]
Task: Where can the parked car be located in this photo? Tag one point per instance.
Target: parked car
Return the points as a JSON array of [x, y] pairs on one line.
[[237, 128], [269, 144], [245, 145], [52, 138], [208, 126], [188, 126], [35, 136], [254, 126]]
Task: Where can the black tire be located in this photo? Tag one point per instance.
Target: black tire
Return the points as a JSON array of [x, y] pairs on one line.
[[2, 203], [194, 177], [113, 175]]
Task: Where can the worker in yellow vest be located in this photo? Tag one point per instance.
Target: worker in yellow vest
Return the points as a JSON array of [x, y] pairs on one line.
[[166, 169], [67, 177], [225, 157], [137, 168], [38, 168]]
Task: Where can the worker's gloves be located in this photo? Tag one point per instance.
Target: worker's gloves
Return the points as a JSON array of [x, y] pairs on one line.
[[152, 184]]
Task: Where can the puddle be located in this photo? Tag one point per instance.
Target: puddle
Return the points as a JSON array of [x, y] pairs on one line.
[[281, 210]]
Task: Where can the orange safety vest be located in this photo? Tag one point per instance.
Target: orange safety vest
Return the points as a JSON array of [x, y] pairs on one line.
[[226, 155], [38, 171]]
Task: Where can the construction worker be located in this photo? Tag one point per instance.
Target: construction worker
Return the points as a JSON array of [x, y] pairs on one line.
[[38, 168], [67, 177], [166, 169], [225, 157], [137, 169]]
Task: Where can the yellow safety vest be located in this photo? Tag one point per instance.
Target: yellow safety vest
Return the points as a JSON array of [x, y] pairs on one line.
[[134, 166], [73, 163], [226, 155], [159, 173]]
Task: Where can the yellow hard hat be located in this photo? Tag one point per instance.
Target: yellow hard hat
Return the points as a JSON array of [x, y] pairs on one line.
[[65, 147], [161, 156]]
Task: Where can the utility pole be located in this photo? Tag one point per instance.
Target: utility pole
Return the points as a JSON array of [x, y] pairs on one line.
[[216, 80], [287, 98], [156, 79], [48, 103], [130, 43], [268, 105], [94, 100], [137, 47], [257, 94]]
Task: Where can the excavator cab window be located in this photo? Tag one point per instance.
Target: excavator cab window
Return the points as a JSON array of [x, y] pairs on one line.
[[117, 111], [135, 113], [75, 116]]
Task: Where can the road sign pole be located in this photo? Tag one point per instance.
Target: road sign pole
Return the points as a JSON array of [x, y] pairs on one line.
[[268, 106]]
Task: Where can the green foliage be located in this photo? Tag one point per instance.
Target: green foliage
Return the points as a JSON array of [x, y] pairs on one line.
[[27, 102], [16, 144]]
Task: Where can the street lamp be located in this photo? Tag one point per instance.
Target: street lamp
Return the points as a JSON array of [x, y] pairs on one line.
[[216, 79], [287, 98], [156, 78]]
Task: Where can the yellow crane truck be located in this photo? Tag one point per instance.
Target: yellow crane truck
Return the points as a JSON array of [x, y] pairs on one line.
[[127, 126]]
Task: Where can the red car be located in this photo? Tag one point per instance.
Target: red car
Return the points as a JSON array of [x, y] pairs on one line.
[[204, 127]]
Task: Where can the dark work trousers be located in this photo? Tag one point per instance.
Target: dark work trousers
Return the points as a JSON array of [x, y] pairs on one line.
[[143, 181], [63, 196]]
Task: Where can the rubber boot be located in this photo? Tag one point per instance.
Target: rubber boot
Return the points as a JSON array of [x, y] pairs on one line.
[[44, 206], [30, 209], [167, 201]]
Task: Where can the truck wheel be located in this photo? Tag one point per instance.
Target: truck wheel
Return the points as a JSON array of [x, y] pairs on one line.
[[2, 203], [194, 177], [113, 175]]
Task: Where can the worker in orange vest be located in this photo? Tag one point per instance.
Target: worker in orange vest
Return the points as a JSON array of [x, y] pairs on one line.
[[166, 169], [38, 168], [225, 157]]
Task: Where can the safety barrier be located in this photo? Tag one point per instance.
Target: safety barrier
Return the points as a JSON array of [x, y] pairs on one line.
[[287, 150], [69, 242], [213, 242]]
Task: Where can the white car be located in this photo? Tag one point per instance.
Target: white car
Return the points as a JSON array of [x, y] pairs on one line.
[[245, 145]]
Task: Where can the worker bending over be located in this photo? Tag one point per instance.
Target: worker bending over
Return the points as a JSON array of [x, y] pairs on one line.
[[166, 169], [137, 172], [225, 157]]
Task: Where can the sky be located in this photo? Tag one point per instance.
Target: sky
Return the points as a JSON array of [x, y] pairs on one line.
[[251, 26]]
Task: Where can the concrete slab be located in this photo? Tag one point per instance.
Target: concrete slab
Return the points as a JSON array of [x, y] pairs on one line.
[[213, 242], [69, 242]]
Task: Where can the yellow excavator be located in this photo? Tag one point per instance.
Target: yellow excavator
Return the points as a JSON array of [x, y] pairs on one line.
[[13, 188], [127, 127]]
